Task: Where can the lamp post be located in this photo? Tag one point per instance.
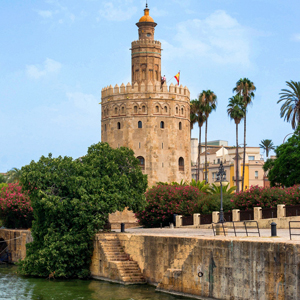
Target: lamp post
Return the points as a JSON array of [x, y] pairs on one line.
[[221, 176]]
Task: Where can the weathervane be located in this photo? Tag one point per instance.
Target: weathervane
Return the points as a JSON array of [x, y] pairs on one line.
[[146, 4]]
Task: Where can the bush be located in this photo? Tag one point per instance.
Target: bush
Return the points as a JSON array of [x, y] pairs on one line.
[[212, 203], [166, 200], [15, 207], [257, 196]]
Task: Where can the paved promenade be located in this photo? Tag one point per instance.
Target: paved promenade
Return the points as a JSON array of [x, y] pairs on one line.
[[265, 234]]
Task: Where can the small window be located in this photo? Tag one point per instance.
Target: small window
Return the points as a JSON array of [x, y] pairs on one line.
[[135, 109], [143, 108], [182, 111], [142, 162], [140, 145], [162, 124], [157, 108], [116, 110], [162, 145], [180, 126], [162, 164], [140, 124], [123, 110], [256, 174], [219, 161], [166, 109], [119, 125], [251, 157], [181, 164], [177, 110], [105, 127]]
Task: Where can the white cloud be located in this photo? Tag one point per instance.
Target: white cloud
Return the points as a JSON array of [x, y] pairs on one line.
[[296, 37], [218, 38], [117, 10], [45, 13], [37, 71]]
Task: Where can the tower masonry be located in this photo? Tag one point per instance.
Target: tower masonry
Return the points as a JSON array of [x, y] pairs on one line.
[[151, 119]]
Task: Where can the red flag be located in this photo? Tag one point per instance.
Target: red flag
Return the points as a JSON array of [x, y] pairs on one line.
[[177, 77]]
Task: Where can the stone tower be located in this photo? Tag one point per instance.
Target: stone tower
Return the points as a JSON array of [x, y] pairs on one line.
[[151, 119]]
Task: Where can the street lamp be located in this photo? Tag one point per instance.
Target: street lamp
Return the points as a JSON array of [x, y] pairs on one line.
[[221, 177]]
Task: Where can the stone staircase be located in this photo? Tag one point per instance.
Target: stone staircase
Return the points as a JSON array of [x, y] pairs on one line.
[[127, 269]]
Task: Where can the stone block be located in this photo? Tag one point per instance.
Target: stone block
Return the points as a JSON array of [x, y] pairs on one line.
[[236, 215], [281, 211], [257, 213], [196, 219], [178, 221], [215, 217]]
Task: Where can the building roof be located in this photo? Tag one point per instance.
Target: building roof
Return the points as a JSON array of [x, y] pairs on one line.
[[211, 150], [146, 17]]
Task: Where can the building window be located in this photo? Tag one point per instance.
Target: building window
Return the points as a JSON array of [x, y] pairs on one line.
[[157, 108], [105, 127], [182, 111], [219, 161], [166, 109], [140, 145], [140, 124], [180, 126], [143, 108], [177, 110], [162, 145], [181, 164], [135, 109], [142, 162], [119, 125], [123, 110], [116, 110], [251, 157], [162, 164], [162, 124], [256, 174]]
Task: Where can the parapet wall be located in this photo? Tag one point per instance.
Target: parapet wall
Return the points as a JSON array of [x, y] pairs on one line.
[[145, 42], [173, 91]]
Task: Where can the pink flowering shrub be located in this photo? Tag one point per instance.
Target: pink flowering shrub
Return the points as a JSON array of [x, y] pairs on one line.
[[15, 207], [165, 200], [257, 196]]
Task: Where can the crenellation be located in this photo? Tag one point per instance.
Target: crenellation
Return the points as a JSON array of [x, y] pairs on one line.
[[128, 88], [116, 89], [122, 88]]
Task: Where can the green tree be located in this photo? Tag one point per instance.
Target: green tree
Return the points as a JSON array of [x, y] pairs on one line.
[[199, 117], [2, 178], [245, 88], [285, 169], [71, 201], [236, 111], [214, 189], [268, 165], [202, 186], [290, 109], [208, 101], [267, 145], [14, 175]]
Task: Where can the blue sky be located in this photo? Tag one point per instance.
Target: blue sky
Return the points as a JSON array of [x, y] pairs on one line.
[[56, 56]]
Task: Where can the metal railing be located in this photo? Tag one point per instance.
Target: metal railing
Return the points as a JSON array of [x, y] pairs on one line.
[[187, 220], [246, 227], [269, 213], [205, 219], [291, 228]]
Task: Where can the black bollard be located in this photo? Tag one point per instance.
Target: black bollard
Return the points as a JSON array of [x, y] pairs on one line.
[[160, 225], [122, 227], [273, 229]]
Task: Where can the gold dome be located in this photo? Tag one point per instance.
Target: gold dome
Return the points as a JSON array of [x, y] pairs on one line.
[[146, 17]]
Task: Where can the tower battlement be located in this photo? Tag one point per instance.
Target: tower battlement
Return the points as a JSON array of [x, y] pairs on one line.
[[146, 42]]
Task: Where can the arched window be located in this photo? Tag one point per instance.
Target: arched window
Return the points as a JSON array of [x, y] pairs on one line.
[[143, 108], [181, 164], [123, 109], [166, 109], [157, 108], [140, 124], [182, 110], [142, 162], [116, 110], [176, 110], [105, 127], [162, 124], [180, 126], [135, 109], [119, 125]]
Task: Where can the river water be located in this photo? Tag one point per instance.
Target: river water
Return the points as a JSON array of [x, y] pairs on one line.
[[15, 287]]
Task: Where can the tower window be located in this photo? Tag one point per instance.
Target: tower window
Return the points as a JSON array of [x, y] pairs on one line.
[[142, 162], [116, 110], [135, 109], [157, 108], [162, 145], [123, 109], [176, 110], [143, 108], [166, 109], [162, 124], [119, 125], [180, 126], [182, 111], [140, 145], [140, 124], [105, 127], [181, 164]]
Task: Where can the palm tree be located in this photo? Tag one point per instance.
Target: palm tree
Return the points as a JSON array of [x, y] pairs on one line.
[[14, 175], [208, 100], [236, 111], [267, 145], [202, 186], [290, 109], [245, 88], [214, 189], [197, 115]]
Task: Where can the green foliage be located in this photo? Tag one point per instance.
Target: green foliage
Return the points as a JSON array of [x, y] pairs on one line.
[[268, 165], [15, 206], [286, 167], [267, 145], [164, 201], [214, 189], [2, 179], [202, 186], [71, 200], [211, 203], [236, 108], [14, 175], [2, 185], [290, 109]]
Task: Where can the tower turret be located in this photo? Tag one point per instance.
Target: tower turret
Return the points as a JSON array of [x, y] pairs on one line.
[[146, 52]]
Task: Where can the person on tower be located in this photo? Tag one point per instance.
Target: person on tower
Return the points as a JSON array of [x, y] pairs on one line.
[[163, 80]]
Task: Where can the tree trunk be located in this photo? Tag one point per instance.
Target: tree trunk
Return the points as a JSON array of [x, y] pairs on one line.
[[205, 166], [244, 154], [237, 159], [199, 153]]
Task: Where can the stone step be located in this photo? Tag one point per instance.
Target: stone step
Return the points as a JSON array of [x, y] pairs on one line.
[[128, 264], [109, 249], [133, 279]]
